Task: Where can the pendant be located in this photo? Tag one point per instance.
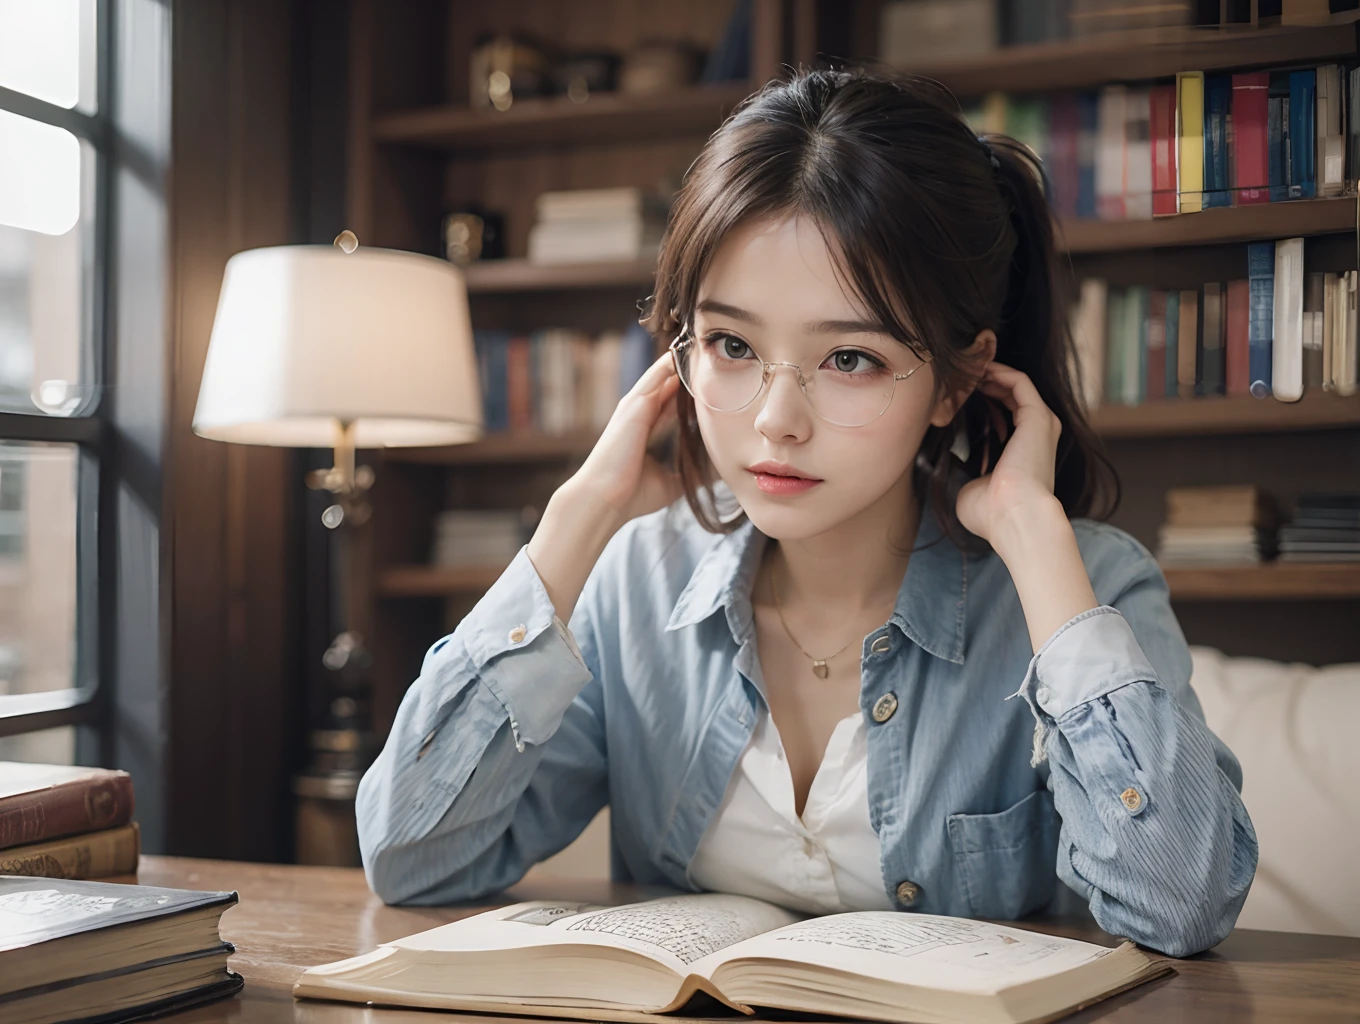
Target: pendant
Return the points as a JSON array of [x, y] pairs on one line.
[[819, 668]]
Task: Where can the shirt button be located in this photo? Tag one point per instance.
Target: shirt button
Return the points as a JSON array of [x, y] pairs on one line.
[[908, 893], [881, 644], [884, 707], [518, 634], [1132, 798]]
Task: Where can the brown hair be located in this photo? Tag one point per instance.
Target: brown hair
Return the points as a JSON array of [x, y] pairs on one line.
[[936, 240]]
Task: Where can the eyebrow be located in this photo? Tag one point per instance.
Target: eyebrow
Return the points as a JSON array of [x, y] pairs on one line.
[[817, 327]]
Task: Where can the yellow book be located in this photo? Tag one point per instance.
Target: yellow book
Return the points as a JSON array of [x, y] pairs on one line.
[[1190, 140]]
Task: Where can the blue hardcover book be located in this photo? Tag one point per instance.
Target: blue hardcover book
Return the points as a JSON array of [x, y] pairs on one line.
[[1261, 319], [1173, 332], [1302, 134], [491, 353], [1086, 154], [1217, 103], [1277, 135]]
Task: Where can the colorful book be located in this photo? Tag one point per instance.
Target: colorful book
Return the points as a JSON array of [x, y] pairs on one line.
[[1064, 162], [1286, 374], [1110, 159], [1249, 152], [1302, 128], [1210, 368], [1187, 344], [519, 384], [1237, 348], [1162, 122], [1137, 155], [1173, 332], [1135, 348], [1277, 135], [111, 851], [47, 801], [1190, 140], [1156, 343], [1114, 335], [1088, 105], [1217, 103], [1261, 320]]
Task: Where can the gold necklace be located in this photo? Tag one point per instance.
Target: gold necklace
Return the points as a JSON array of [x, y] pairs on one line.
[[819, 668]]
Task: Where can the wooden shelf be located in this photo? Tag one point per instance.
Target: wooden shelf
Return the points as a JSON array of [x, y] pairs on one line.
[[436, 580], [523, 276], [1220, 225], [529, 446], [1138, 56], [1222, 415], [555, 121], [1272, 581]]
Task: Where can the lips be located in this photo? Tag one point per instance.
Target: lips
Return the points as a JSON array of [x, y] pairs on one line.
[[780, 469]]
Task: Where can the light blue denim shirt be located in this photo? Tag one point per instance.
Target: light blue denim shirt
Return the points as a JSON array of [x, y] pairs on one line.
[[1102, 774]]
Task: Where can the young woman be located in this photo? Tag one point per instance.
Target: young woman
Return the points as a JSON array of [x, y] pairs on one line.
[[797, 683]]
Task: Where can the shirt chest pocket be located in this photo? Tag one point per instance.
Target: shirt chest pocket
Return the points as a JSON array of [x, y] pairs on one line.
[[1007, 860]]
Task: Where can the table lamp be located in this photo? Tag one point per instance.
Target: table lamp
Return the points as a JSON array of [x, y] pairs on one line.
[[342, 347]]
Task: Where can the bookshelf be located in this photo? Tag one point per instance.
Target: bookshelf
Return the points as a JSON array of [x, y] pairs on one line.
[[416, 148]]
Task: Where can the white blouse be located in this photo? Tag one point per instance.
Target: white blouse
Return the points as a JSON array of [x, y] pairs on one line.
[[825, 862]]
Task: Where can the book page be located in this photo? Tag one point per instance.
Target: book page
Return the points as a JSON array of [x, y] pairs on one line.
[[675, 931], [917, 949]]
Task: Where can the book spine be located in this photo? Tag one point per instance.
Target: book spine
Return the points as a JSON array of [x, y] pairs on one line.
[[1110, 187], [1261, 322], [1156, 343], [1135, 347], [518, 385], [1162, 116], [1210, 375], [1313, 306], [85, 805], [1137, 155], [1065, 124], [1331, 300], [1173, 331], [1286, 373], [1088, 104], [1190, 140], [1347, 368], [91, 855], [1250, 161], [1114, 333], [1277, 135], [1237, 351], [1217, 97], [1187, 344], [1302, 141], [1331, 140]]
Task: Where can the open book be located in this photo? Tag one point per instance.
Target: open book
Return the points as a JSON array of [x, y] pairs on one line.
[[625, 963]]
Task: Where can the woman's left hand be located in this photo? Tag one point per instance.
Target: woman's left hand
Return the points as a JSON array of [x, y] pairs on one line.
[[996, 504]]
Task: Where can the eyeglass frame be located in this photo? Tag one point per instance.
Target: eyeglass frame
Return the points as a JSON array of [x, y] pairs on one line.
[[767, 374]]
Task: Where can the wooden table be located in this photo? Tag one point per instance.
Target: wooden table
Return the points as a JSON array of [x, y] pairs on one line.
[[291, 918]]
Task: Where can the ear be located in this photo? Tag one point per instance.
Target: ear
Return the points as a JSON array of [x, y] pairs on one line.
[[975, 359]]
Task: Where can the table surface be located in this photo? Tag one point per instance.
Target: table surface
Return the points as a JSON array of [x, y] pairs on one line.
[[290, 918]]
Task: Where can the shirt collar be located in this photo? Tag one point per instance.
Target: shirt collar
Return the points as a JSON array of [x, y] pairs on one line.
[[930, 607]]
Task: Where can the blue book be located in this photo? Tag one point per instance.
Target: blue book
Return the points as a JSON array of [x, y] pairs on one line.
[[1277, 135], [491, 359], [1261, 320], [1173, 332], [1088, 121], [1302, 134], [1217, 103]]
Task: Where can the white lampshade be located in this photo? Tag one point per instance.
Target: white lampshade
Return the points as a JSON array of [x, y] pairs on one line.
[[308, 336]]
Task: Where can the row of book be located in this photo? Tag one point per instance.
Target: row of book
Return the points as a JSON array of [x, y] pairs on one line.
[[465, 538], [558, 380], [66, 822], [583, 225], [1277, 332], [1240, 525], [1128, 152]]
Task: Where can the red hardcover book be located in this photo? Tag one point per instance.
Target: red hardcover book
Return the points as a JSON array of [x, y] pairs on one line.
[[1156, 350], [46, 801], [519, 384], [1163, 125], [1248, 154], [1237, 370]]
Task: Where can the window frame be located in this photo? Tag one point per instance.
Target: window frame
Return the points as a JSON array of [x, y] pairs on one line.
[[88, 701]]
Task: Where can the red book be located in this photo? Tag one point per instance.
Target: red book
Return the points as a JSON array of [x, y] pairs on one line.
[[1156, 351], [45, 801], [1237, 371], [1163, 128], [1248, 154], [519, 384], [1064, 119]]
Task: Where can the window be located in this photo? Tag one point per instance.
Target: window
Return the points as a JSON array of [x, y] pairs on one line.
[[54, 350]]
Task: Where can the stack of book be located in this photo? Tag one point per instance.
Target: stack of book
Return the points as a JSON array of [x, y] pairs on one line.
[[1216, 526], [464, 539], [558, 380], [98, 951], [60, 821], [1325, 528], [586, 225], [1276, 332], [1128, 152]]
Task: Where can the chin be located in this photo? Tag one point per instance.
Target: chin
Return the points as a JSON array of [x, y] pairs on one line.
[[786, 518]]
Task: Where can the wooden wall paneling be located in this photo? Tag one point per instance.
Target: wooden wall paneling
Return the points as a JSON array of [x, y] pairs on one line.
[[231, 664], [602, 309]]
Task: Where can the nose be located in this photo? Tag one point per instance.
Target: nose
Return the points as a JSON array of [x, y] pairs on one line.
[[784, 414]]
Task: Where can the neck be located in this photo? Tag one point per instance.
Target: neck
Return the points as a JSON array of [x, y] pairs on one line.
[[855, 567]]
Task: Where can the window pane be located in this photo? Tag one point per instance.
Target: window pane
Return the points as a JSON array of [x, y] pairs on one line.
[[38, 591], [47, 49], [50, 746], [46, 269]]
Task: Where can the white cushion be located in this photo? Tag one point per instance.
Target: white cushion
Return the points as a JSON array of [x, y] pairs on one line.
[[1296, 731]]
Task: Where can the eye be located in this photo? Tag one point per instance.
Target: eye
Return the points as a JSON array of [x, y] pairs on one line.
[[728, 345], [853, 361]]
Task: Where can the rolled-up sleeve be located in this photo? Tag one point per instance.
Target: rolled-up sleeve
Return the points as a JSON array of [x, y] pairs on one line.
[[1154, 833], [496, 757]]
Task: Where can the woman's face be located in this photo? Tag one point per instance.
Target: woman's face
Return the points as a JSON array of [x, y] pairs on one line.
[[772, 291]]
